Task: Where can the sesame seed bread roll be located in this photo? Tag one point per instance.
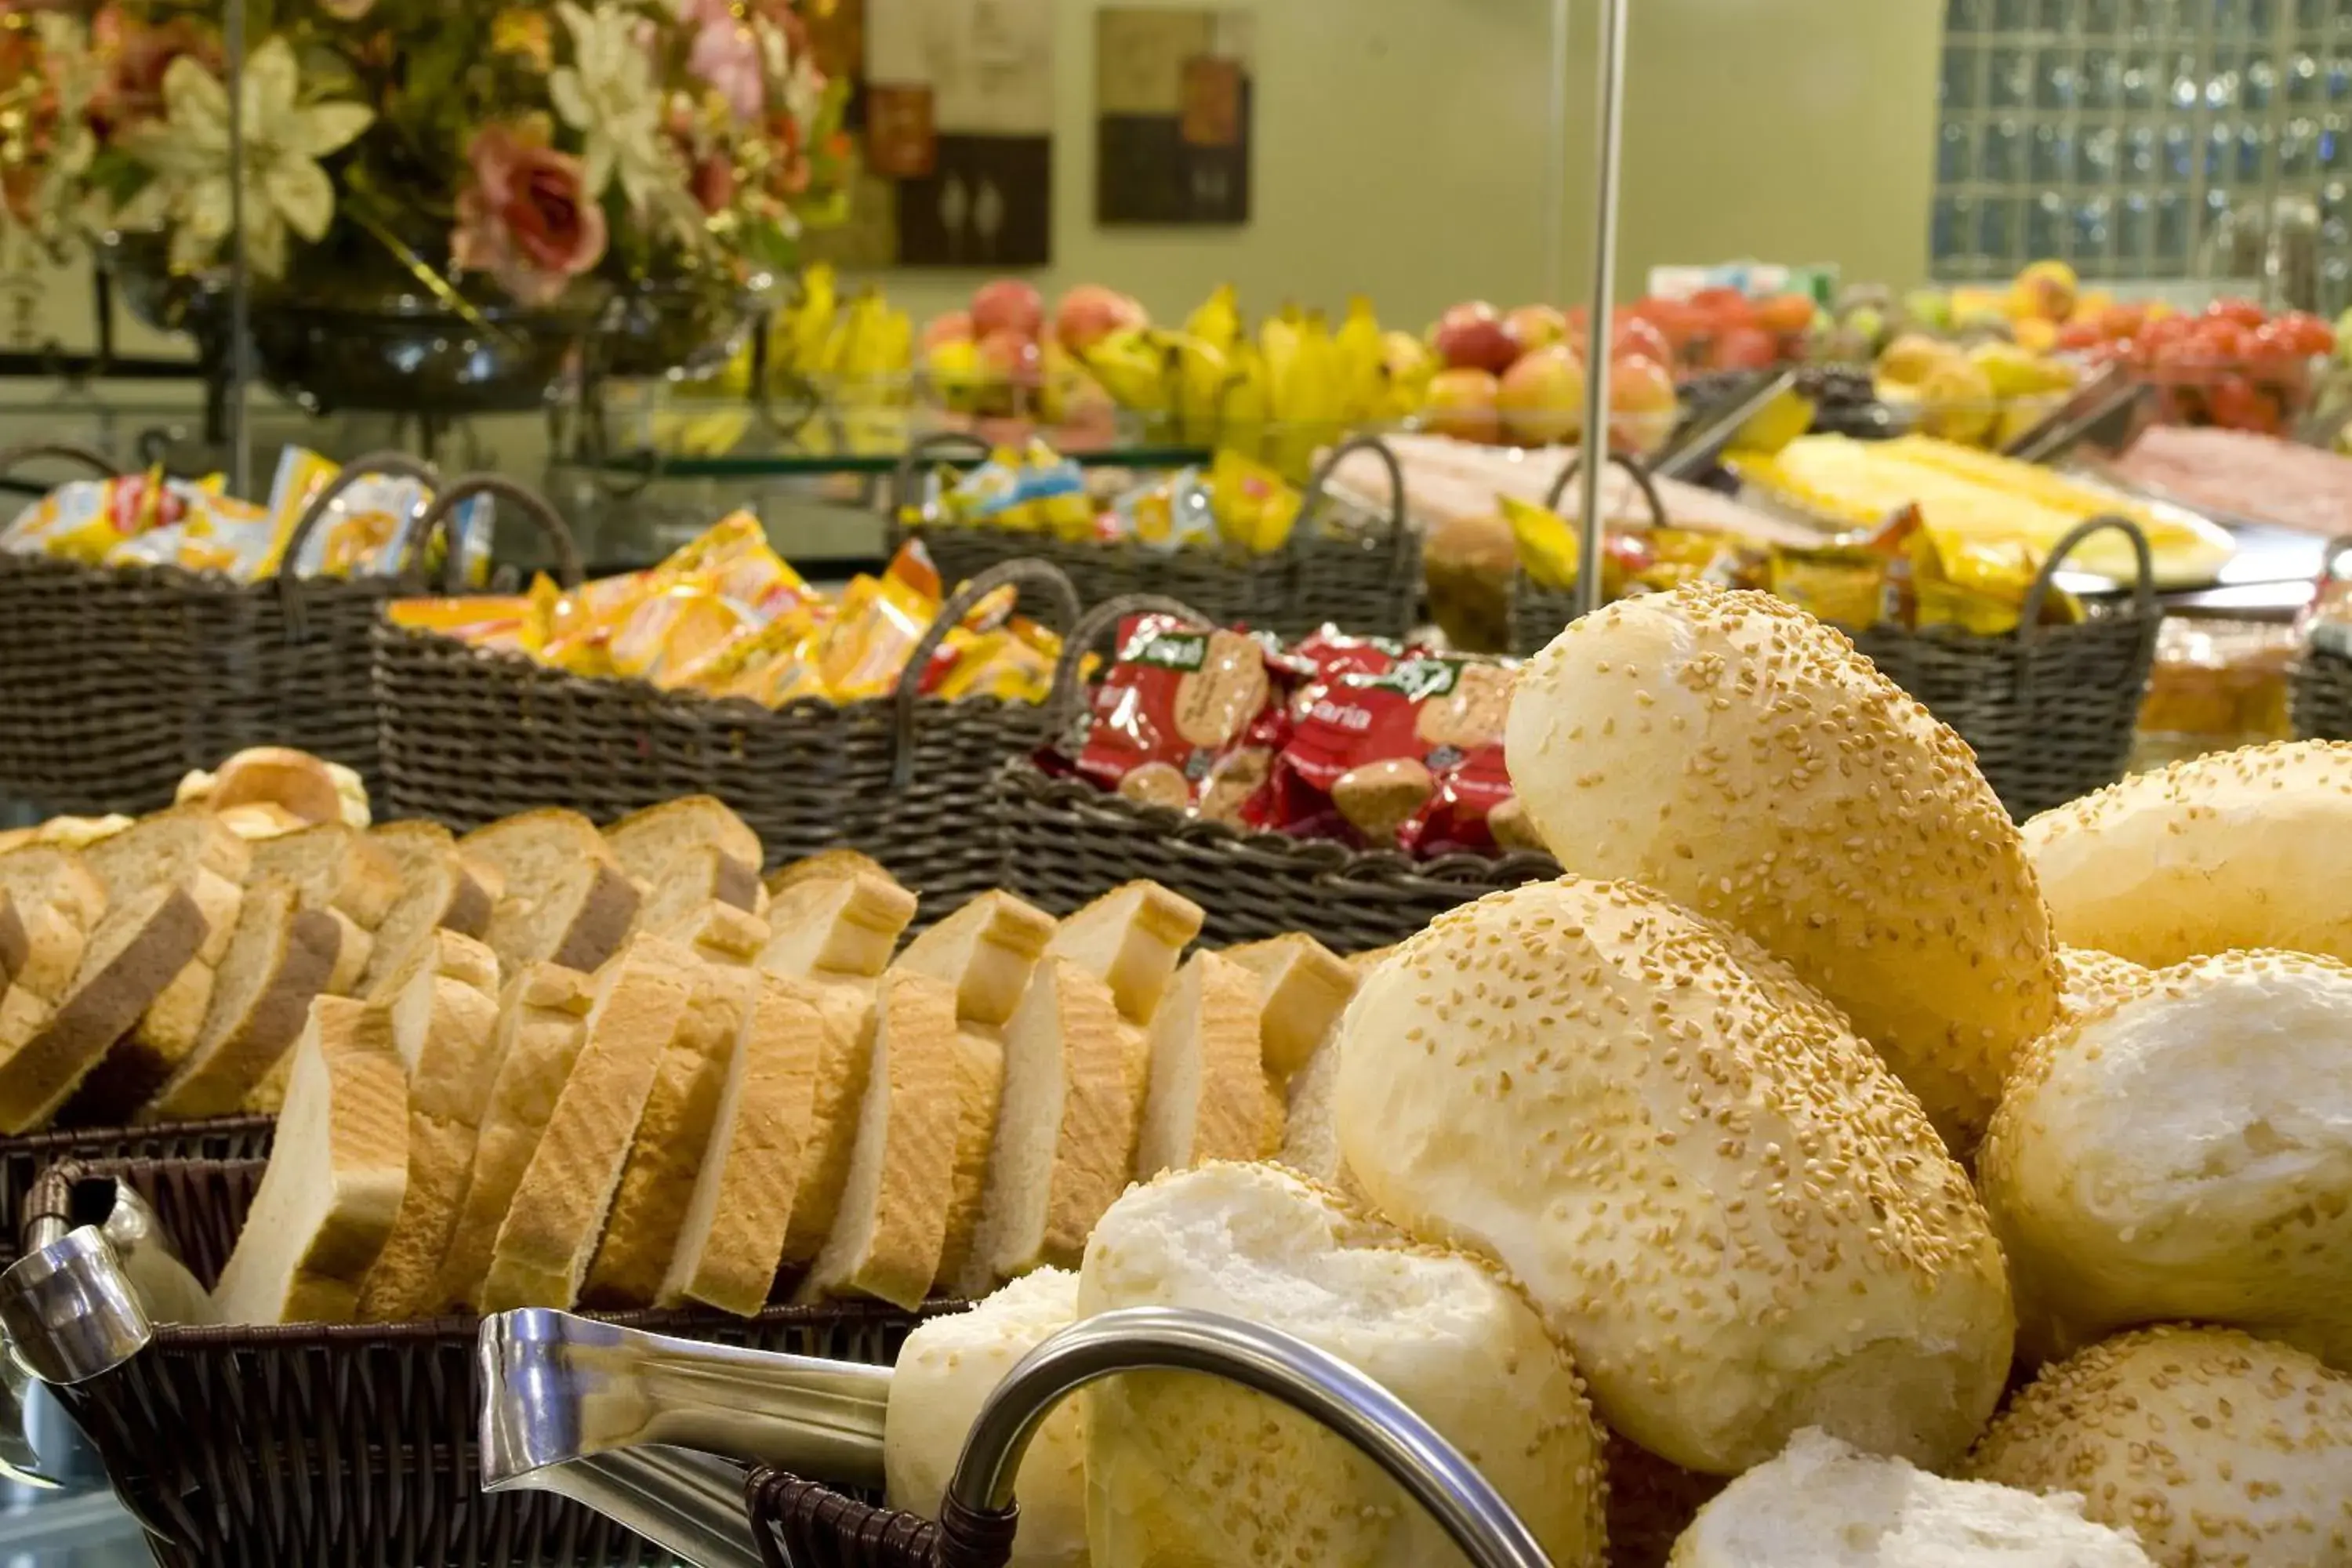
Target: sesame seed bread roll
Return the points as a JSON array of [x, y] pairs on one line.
[[2185, 1153], [2212, 1446], [1738, 1218], [1187, 1469], [1738, 756], [2093, 979], [1824, 1505], [2238, 849]]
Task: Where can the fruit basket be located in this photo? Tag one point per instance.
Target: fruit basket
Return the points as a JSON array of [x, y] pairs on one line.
[[1365, 579], [338, 1444], [123, 678], [1065, 839], [469, 735]]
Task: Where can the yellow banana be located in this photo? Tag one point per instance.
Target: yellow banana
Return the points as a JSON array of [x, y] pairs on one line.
[[1217, 319], [1243, 413], [1132, 369], [1204, 369], [812, 318], [1360, 350]]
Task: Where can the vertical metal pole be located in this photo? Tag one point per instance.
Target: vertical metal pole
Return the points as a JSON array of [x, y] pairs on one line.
[[240, 448], [1590, 535], [1554, 202]]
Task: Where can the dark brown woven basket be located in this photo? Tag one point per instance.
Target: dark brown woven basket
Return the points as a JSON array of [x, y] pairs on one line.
[[24, 1158], [1065, 841], [120, 680], [2319, 682], [1364, 580], [469, 736], [2049, 710], [312, 1446]]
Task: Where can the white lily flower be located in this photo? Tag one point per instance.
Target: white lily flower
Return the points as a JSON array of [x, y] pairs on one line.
[[284, 139]]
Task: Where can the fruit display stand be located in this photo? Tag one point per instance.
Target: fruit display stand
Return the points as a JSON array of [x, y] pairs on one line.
[[344, 1444], [471, 734], [1366, 577], [121, 680], [1065, 839]]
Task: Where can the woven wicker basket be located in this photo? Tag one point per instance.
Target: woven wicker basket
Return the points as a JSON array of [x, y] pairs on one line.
[[120, 680], [469, 736], [1066, 840], [2050, 711], [1537, 612], [2319, 683], [314, 1446], [24, 1158], [1365, 580]]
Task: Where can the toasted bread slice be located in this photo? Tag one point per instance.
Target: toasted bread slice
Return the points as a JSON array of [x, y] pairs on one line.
[[542, 1016], [280, 958], [656, 1183], [730, 1243], [844, 1063], [825, 866], [565, 900], [842, 928], [887, 1239], [60, 899], [550, 1232], [1130, 939], [336, 1177], [334, 868], [1303, 988], [985, 949], [1074, 1084], [134, 953], [1207, 1096], [439, 889]]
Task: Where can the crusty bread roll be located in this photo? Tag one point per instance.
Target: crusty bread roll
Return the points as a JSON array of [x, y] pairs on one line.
[[1176, 1457], [1822, 1504], [946, 1372], [2238, 849], [1735, 754], [2210, 1446], [2093, 979], [2186, 1153], [1717, 1195], [311, 788]]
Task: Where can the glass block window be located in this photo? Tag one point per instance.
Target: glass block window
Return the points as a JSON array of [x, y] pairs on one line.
[[2114, 134]]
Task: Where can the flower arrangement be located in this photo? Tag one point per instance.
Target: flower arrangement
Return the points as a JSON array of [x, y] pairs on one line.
[[542, 153]]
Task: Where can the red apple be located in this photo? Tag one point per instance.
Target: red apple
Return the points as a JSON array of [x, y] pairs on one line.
[[1461, 402], [1536, 326], [954, 327], [1640, 403], [1090, 312], [1787, 314], [1542, 397], [1632, 334], [1744, 348], [1007, 305], [1471, 337], [1008, 358]]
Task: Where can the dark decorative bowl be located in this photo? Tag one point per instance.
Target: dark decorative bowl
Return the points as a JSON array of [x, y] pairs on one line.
[[410, 352], [679, 326]]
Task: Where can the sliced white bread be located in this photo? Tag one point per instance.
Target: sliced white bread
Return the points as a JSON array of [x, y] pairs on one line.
[[717, 933], [189, 848], [1074, 1084], [335, 1179], [675, 842], [692, 879], [844, 1063], [648, 1209], [985, 949], [731, 1242], [550, 1230], [1130, 939], [279, 958], [825, 866], [1304, 987], [60, 901], [886, 1239], [543, 1017], [979, 1059], [564, 898], [445, 1027], [837, 928], [1310, 1143], [1207, 1098], [136, 950], [438, 888], [267, 1097], [334, 868], [14, 945]]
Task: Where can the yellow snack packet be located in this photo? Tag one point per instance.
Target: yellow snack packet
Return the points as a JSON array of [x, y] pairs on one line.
[[1546, 543], [1255, 508], [1980, 585], [716, 671], [475, 619], [996, 664], [1844, 585], [670, 632]]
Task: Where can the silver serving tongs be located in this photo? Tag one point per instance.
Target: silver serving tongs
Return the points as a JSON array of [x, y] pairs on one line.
[[81, 1303], [589, 1411]]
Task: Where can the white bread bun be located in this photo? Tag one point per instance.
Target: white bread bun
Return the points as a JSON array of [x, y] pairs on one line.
[[948, 1368], [1825, 1505], [1724, 1201], [2093, 979], [2185, 1153], [2211, 1447], [1175, 1457], [2238, 849], [1735, 754]]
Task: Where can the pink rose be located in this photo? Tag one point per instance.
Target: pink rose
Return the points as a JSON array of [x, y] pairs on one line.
[[526, 218], [726, 57]]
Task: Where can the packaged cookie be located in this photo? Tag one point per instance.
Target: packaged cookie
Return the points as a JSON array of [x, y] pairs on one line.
[[1176, 702]]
